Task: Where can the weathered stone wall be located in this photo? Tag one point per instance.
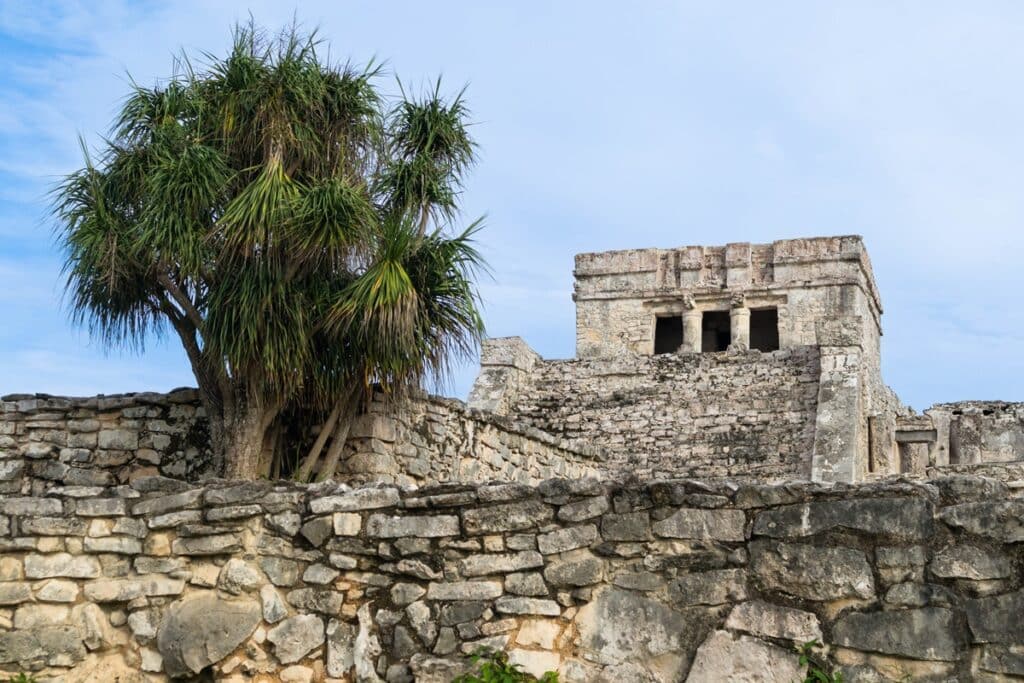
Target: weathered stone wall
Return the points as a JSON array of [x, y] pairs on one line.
[[432, 439], [669, 581], [105, 440], [618, 294], [101, 440], [746, 414], [980, 431]]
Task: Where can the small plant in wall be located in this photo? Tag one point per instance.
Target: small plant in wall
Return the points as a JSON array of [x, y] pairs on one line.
[[494, 667], [22, 678], [815, 669]]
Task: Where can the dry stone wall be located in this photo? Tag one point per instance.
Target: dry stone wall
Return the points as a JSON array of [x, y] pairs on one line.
[[434, 439], [744, 414], [101, 440], [107, 440], [669, 581]]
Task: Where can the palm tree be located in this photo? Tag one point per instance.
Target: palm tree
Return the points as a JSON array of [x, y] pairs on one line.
[[291, 227]]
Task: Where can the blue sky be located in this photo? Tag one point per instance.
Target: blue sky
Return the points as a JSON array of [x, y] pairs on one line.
[[603, 125]]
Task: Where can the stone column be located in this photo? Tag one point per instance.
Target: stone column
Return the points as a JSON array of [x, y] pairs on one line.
[[739, 324], [691, 331]]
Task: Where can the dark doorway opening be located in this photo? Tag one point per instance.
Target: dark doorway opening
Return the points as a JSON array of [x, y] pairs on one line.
[[714, 331], [764, 329], [668, 334]]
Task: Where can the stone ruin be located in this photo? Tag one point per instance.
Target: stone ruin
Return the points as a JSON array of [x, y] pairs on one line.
[[719, 477]]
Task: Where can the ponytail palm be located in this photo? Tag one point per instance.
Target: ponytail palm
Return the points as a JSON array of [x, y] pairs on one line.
[[291, 228]]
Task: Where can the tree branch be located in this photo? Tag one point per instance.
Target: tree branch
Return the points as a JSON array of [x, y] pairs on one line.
[[214, 384], [179, 298]]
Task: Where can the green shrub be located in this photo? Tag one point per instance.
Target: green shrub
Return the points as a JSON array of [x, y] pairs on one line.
[[22, 678], [815, 671], [494, 667]]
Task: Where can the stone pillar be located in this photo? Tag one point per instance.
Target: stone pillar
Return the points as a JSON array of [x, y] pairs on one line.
[[505, 365], [838, 455], [691, 331], [739, 325]]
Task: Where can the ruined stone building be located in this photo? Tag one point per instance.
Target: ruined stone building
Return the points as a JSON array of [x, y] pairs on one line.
[[747, 360]]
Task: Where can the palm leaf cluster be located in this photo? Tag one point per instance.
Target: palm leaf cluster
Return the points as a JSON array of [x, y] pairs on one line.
[[290, 224]]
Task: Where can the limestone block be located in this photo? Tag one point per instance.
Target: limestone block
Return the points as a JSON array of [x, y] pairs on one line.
[[317, 530], [347, 523], [202, 629], [715, 587], [931, 633], [628, 628], [723, 657], [121, 545], [61, 565], [280, 571], [628, 526], [36, 507], [54, 645], [222, 544], [387, 526], [903, 518], [719, 525], [575, 568], [361, 499], [340, 644], [405, 593], [529, 584], [971, 562], [296, 637], [15, 592], [812, 572], [319, 600], [118, 439], [274, 609], [319, 574], [538, 633], [538, 606], [761, 618], [506, 517], [500, 563], [464, 590], [567, 539], [123, 590], [57, 590], [996, 619], [1002, 520], [238, 576]]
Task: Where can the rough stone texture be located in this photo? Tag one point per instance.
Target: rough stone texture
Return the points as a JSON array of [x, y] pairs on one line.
[[812, 572], [723, 657], [603, 582], [294, 638], [930, 633], [203, 629], [761, 618]]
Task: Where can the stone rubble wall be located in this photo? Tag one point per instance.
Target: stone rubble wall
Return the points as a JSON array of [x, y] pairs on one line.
[[668, 581], [433, 439], [746, 414], [107, 440], [101, 440]]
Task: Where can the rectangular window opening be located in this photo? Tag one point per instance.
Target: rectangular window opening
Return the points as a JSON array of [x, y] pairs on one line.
[[764, 329], [714, 331], [668, 334]]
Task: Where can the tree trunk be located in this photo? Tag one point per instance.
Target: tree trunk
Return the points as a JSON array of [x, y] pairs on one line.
[[338, 443], [243, 444]]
